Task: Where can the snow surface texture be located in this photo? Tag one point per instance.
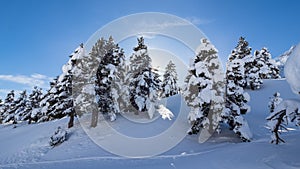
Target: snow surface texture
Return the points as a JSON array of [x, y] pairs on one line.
[[292, 70], [27, 146]]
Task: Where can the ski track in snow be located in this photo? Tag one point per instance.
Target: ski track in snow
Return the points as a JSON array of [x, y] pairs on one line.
[[106, 158]]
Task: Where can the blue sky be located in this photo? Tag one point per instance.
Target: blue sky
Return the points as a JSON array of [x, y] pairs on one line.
[[36, 36]]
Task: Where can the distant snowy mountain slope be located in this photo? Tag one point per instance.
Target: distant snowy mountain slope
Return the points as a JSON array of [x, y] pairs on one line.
[[281, 60]]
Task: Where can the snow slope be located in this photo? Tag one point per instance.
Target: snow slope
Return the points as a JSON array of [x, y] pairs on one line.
[[281, 60], [26, 146]]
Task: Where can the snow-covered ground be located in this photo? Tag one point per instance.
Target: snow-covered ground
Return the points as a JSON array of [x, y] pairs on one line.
[[27, 146]]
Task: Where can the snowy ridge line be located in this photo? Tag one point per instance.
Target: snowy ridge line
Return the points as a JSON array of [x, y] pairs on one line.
[[106, 158]]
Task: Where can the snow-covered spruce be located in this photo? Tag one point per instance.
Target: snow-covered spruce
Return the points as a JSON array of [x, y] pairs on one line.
[[197, 94], [33, 108], [20, 106], [84, 80], [286, 112], [241, 52], [253, 69], [7, 111], [1, 110], [58, 137], [236, 100], [199, 91], [274, 101], [268, 66], [169, 83], [58, 101], [143, 80], [108, 84]]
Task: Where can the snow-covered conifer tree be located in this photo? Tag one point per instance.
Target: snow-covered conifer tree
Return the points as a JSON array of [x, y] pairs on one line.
[[20, 108], [169, 84], [144, 86], [236, 100], [34, 111], [269, 69], [47, 102], [108, 81], [58, 101], [8, 107], [253, 69], [242, 51], [1, 110], [202, 91], [197, 93]]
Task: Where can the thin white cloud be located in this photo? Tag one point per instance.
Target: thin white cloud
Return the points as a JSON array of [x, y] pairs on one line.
[[158, 26], [29, 81], [197, 21]]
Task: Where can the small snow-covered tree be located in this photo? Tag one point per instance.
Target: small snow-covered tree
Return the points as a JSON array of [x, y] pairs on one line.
[[144, 84], [269, 69], [20, 108], [1, 110], [47, 102], [286, 112], [274, 101], [8, 107], [236, 100], [33, 111], [169, 83]]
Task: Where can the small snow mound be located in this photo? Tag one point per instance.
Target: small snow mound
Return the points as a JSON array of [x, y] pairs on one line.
[[58, 137]]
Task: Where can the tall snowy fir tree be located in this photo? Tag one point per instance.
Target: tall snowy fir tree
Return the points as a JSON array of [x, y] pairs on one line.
[[236, 100], [108, 85], [242, 52], [58, 101], [86, 75], [202, 92], [197, 94], [144, 85], [169, 83], [84, 80]]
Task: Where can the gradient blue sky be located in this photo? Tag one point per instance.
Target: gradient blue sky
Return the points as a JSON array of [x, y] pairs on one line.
[[37, 36]]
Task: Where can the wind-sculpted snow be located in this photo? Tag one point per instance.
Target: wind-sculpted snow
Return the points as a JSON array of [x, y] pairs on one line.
[[292, 70]]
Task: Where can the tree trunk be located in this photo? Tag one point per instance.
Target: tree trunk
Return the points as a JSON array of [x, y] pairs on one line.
[[94, 121], [71, 120], [276, 129]]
